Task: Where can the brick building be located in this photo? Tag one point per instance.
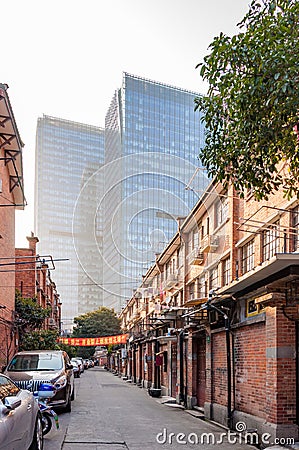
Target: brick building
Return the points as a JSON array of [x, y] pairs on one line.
[[33, 280], [11, 198], [214, 322]]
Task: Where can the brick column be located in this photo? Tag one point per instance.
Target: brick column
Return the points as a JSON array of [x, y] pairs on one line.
[[280, 374]]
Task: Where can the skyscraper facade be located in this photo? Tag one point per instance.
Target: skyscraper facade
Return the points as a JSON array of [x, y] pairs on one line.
[[65, 152], [152, 176]]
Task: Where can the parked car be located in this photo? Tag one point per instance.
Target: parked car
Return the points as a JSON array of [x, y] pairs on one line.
[[80, 363], [20, 418], [29, 369], [76, 368], [86, 363]]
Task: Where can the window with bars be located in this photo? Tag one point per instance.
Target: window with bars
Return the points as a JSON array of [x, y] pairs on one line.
[[248, 256], [270, 241]]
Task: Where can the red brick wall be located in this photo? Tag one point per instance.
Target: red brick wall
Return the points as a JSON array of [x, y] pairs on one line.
[[250, 369], [249, 356], [219, 369], [7, 274], [25, 273]]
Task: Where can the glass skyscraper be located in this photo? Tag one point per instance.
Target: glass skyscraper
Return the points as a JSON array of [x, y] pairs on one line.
[[66, 152], [152, 139], [107, 200]]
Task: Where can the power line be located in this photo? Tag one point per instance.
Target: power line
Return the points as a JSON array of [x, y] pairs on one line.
[[77, 284]]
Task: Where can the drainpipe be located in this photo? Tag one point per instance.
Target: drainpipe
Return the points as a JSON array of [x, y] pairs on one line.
[[181, 346], [134, 363], [229, 373], [157, 380], [140, 365]]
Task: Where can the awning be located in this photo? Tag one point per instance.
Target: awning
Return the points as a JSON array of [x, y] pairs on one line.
[[267, 272], [12, 145]]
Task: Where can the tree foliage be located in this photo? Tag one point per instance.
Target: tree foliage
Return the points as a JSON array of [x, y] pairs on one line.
[[29, 314], [40, 340], [29, 321], [101, 322], [251, 110]]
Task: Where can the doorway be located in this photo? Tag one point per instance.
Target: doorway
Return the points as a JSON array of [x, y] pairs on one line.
[[201, 370]]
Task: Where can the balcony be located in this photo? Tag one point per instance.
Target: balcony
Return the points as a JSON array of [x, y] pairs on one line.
[[209, 243], [172, 280], [196, 257]]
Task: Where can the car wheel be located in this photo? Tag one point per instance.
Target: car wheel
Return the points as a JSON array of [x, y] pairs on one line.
[[47, 423], [73, 394], [38, 439]]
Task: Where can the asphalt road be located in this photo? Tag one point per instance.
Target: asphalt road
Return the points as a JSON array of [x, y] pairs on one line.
[[111, 414]]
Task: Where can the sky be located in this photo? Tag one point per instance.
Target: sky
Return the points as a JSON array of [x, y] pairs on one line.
[[65, 58]]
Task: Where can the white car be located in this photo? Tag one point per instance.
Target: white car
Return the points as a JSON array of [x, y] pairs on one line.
[[20, 418], [76, 368]]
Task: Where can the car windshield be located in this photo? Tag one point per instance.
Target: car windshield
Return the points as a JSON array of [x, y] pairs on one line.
[[38, 361]]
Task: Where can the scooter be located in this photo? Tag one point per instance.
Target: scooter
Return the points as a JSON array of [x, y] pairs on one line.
[[42, 396]]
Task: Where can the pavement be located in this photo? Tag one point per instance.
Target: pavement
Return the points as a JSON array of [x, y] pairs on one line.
[[110, 413]]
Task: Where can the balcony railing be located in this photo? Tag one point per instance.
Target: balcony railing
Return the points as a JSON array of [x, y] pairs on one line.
[[196, 257], [209, 243], [172, 280]]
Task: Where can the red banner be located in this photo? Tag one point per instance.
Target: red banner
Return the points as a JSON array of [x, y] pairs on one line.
[[85, 342]]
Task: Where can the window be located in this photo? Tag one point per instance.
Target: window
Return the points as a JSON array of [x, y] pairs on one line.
[[270, 241], [221, 211], [226, 271], [193, 240], [202, 287], [295, 229], [248, 257], [191, 291], [214, 284], [7, 388]]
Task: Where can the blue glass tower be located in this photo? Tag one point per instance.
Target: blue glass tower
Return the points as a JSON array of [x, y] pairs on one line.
[[152, 139], [66, 153]]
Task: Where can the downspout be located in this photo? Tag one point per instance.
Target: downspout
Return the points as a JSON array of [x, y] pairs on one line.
[[157, 381], [181, 346], [134, 363], [140, 365], [229, 371]]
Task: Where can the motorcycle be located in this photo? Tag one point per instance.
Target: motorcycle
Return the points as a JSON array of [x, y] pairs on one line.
[[42, 396]]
